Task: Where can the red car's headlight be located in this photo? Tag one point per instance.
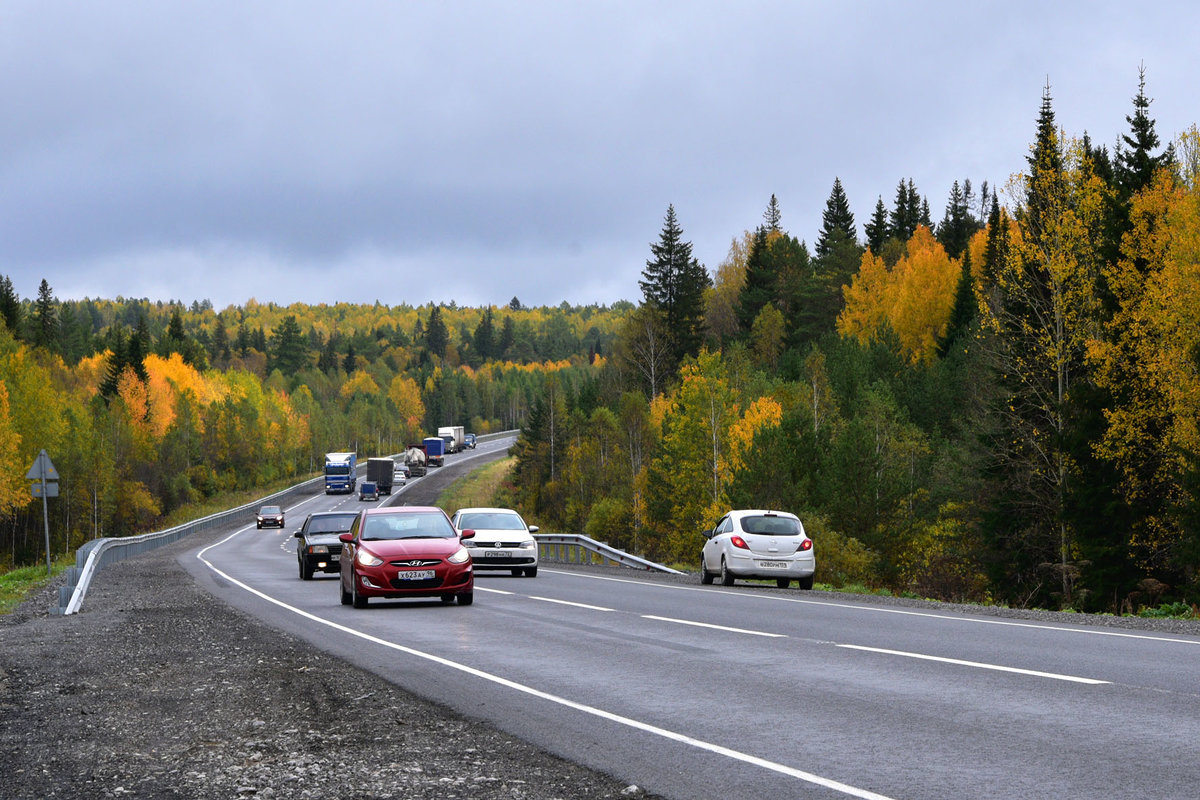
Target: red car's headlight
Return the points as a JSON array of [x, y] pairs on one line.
[[367, 559], [460, 556]]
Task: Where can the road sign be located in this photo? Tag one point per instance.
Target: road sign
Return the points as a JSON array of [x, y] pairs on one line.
[[42, 469], [51, 488]]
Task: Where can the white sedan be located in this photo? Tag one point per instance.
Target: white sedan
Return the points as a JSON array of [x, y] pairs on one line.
[[770, 545], [502, 539]]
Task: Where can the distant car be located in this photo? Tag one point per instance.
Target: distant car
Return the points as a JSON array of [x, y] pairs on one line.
[[319, 547], [769, 545], [368, 491], [399, 476], [469, 441], [270, 517], [502, 540], [405, 551]]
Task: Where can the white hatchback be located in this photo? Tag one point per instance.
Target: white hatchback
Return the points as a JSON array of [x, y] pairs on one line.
[[502, 539], [767, 545]]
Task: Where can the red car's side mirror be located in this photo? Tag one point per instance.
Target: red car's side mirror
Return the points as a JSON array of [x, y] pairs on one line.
[[346, 537], [467, 534]]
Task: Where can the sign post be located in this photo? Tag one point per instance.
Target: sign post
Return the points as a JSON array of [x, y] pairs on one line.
[[45, 478]]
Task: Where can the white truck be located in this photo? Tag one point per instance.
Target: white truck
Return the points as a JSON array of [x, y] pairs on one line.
[[458, 437]]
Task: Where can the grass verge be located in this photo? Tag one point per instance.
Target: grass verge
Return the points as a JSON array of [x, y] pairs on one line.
[[478, 488], [17, 584]]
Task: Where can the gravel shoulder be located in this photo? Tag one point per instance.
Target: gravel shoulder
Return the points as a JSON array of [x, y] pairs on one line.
[[155, 689]]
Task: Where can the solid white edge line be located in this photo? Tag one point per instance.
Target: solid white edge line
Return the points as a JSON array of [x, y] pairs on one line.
[[881, 610], [700, 744], [976, 664], [715, 627]]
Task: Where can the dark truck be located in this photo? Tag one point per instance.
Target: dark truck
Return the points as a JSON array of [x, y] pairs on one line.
[[381, 472]]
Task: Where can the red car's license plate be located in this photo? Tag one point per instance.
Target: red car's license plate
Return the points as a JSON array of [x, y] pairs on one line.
[[415, 575]]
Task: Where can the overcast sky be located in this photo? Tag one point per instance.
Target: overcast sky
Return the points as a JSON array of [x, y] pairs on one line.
[[412, 152]]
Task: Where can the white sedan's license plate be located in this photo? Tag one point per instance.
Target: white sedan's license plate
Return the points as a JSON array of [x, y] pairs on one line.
[[773, 564], [415, 575], [494, 553]]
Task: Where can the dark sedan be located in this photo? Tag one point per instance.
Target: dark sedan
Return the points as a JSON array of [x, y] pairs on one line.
[[319, 547], [270, 517], [405, 551]]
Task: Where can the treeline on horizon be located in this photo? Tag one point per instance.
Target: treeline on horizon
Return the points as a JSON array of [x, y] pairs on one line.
[[147, 407], [999, 406]]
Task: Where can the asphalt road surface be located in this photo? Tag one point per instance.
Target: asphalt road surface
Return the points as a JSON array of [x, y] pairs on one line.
[[692, 691]]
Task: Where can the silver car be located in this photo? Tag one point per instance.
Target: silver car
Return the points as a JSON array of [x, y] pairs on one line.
[[502, 539], [765, 545]]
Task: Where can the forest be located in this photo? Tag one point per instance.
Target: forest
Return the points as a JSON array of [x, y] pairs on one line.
[[998, 406]]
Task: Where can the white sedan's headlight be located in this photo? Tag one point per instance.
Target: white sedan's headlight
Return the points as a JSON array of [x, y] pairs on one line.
[[460, 556], [527, 545]]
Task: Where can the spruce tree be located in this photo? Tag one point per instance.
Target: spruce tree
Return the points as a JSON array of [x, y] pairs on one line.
[[485, 336], [437, 337], [10, 305], [965, 310], [876, 230], [1135, 162], [761, 285], [836, 217], [288, 349], [45, 318], [772, 216], [673, 282]]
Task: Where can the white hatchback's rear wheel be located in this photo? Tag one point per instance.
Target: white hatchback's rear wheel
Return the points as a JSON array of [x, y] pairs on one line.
[[706, 577], [726, 575]]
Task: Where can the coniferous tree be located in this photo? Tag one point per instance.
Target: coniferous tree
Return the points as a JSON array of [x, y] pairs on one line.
[[350, 362], [772, 216], [965, 310], [836, 218], [45, 318], [220, 342], [485, 336], [137, 348], [673, 282], [876, 230], [1135, 161], [116, 362], [437, 337], [10, 305], [957, 225], [761, 285], [906, 213], [288, 350]]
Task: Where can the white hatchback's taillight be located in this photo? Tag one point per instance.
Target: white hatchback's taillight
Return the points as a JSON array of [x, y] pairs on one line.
[[805, 544], [739, 542]]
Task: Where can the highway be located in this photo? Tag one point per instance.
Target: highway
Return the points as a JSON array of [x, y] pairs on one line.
[[692, 691]]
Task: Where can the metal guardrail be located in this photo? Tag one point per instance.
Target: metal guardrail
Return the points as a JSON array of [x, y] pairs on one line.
[[569, 548], [100, 552]]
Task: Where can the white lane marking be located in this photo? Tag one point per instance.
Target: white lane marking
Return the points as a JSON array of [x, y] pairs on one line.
[[479, 588], [664, 733], [977, 664], [714, 627], [568, 603], [882, 610]]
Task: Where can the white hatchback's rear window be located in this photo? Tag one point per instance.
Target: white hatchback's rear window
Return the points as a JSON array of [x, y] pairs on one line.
[[773, 526]]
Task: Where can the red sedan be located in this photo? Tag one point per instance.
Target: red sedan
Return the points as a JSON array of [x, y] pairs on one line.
[[405, 551]]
